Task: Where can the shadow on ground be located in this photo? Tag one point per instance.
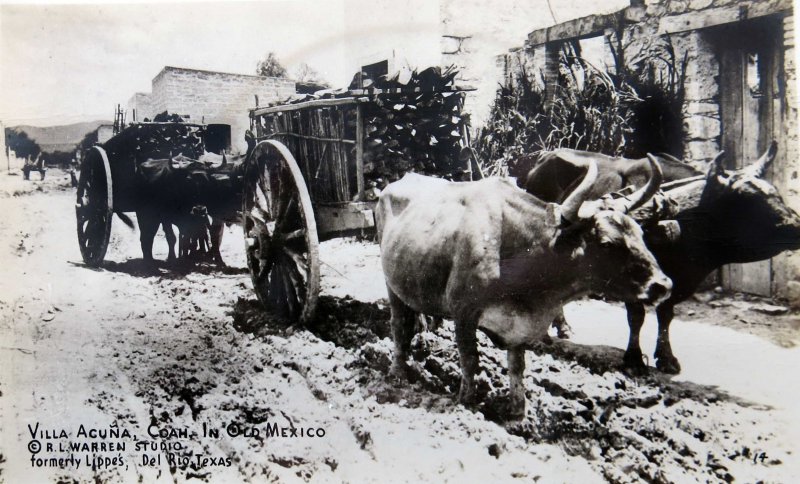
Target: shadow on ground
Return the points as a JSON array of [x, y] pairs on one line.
[[166, 269]]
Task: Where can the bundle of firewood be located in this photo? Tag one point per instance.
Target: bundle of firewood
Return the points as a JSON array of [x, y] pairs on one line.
[[412, 120], [418, 132], [157, 141]]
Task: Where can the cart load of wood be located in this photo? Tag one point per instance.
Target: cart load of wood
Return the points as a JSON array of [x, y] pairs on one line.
[[157, 141], [407, 122]]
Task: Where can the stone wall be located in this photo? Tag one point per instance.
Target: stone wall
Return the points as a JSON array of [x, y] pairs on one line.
[[474, 33], [689, 24], [210, 97], [786, 267]]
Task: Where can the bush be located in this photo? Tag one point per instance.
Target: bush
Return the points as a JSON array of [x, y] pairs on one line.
[[623, 113]]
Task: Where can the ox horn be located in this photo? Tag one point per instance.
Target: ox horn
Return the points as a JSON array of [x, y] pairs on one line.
[[570, 206], [642, 195], [758, 168], [671, 158]]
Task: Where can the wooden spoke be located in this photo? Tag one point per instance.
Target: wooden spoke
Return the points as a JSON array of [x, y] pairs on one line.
[[94, 206], [298, 234], [281, 233], [297, 259], [285, 212]]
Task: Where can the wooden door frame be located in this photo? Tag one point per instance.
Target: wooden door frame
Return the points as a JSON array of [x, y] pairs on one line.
[[735, 42]]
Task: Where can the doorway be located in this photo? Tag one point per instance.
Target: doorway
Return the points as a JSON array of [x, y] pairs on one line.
[[750, 93]]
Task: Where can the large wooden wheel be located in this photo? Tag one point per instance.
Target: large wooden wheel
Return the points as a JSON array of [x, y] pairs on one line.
[[94, 206], [281, 233]]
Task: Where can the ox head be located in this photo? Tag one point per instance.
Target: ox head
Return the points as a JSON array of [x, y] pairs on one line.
[[746, 213], [610, 243]]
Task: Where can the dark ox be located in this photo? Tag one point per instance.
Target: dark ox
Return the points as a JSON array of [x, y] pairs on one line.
[[488, 255], [733, 217], [724, 217], [170, 189], [553, 175], [557, 173]]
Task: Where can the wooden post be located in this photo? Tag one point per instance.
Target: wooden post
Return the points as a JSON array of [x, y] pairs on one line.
[[551, 61], [360, 151]]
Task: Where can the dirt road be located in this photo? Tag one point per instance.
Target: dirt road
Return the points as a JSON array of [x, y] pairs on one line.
[[134, 374]]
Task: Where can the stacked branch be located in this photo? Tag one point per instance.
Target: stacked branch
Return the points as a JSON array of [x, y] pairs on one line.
[[412, 121], [419, 132], [140, 142]]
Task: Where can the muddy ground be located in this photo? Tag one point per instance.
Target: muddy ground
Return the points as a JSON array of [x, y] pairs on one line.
[[158, 359]]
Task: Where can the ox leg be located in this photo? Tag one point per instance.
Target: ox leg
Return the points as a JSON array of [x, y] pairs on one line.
[[169, 233], [467, 342], [633, 359], [183, 244], [563, 330], [148, 226], [403, 318], [216, 230], [665, 360], [516, 372]]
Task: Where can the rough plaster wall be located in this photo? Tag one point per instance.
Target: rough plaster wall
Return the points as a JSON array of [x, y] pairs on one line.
[[141, 103], [104, 133]]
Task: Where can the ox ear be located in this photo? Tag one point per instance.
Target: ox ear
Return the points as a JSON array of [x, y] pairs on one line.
[[665, 231], [715, 168], [589, 209]]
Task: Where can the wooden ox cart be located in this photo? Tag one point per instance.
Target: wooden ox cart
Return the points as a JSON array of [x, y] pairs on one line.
[[318, 167], [108, 181], [313, 174]]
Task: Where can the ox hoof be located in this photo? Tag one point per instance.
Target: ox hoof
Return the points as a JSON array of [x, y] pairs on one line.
[[466, 395], [634, 364], [564, 332], [668, 365], [516, 409], [398, 372]]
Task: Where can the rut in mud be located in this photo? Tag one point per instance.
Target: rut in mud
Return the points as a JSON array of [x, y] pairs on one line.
[[579, 396]]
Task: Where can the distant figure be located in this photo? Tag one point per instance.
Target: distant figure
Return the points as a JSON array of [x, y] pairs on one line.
[[35, 165], [73, 168]]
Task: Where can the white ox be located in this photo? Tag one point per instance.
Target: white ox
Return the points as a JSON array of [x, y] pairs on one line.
[[487, 255]]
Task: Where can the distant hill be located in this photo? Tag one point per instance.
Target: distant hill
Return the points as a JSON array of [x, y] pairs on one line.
[[59, 138]]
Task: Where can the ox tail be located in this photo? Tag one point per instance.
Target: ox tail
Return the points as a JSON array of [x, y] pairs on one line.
[[125, 219]]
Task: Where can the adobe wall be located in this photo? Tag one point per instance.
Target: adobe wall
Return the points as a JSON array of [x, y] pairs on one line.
[[210, 97]]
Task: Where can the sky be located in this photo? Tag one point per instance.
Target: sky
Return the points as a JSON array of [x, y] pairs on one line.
[[62, 62], [65, 63]]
